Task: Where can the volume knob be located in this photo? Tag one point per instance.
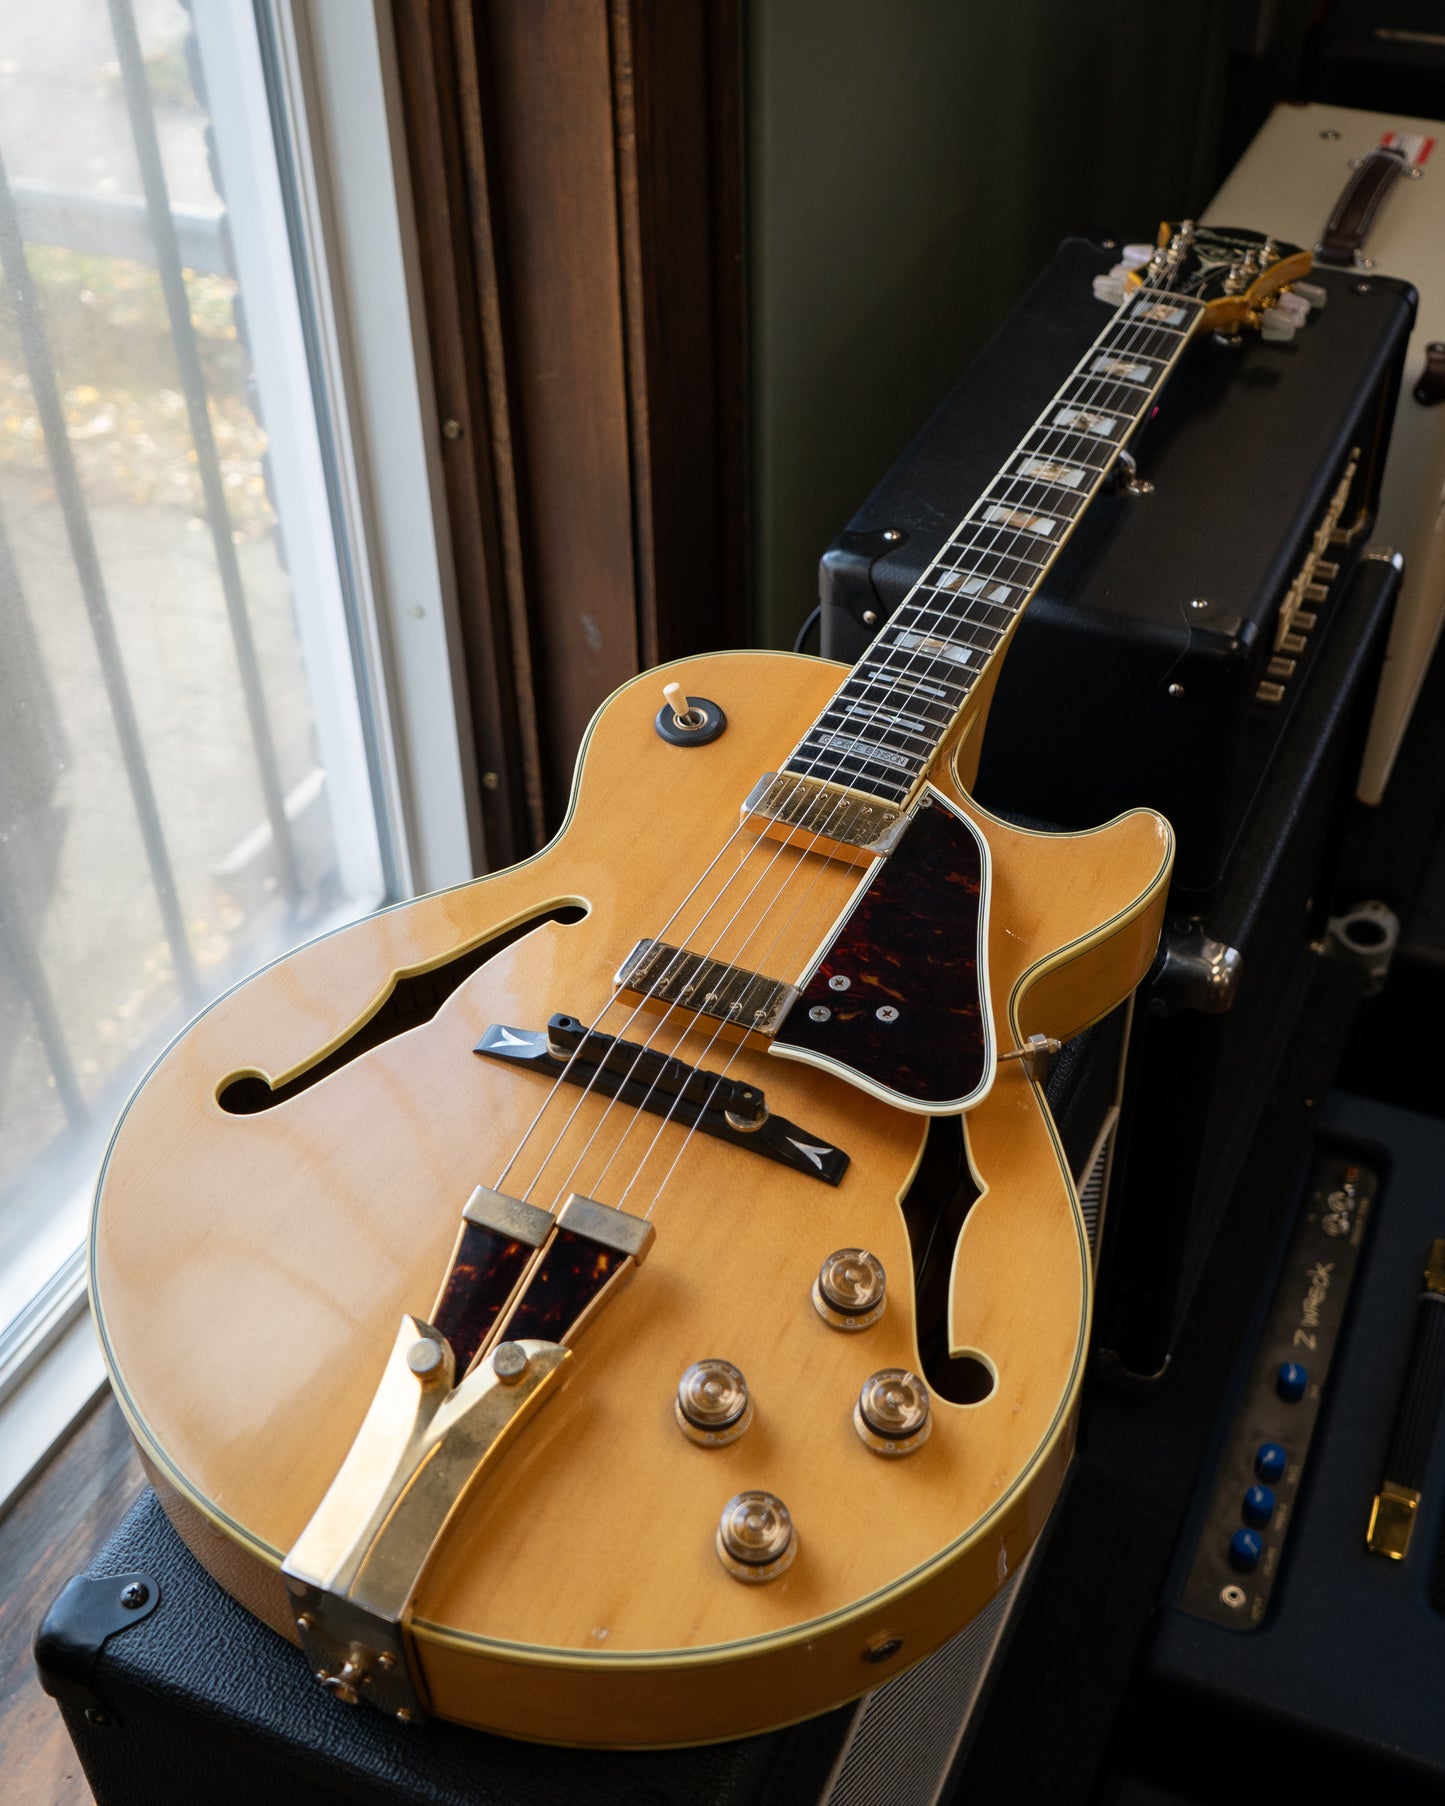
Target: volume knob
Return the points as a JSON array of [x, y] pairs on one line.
[[849, 1292], [892, 1414], [755, 1540], [713, 1407]]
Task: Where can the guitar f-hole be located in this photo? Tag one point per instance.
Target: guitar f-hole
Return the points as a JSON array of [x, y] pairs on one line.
[[414, 998], [935, 1209]]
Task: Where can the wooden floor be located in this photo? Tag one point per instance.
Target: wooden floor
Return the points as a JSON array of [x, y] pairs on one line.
[[49, 1534]]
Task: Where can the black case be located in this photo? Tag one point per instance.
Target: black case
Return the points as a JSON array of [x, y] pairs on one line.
[[1135, 674]]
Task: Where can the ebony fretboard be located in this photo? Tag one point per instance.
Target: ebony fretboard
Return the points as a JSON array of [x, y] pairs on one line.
[[881, 730]]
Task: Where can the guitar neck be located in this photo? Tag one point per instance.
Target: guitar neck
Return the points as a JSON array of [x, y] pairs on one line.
[[884, 726]]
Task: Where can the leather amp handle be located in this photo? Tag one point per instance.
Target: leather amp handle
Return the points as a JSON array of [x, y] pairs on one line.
[[1354, 212]]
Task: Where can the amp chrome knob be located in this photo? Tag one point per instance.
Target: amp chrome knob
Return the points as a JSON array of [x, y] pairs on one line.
[[892, 1414], [713, 1407], [755, 1540], [849, 1290]]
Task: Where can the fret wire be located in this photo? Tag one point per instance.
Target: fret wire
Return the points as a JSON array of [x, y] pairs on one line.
[[971, 641]]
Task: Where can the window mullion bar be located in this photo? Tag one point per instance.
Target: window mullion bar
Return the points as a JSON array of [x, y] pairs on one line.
[[193, 387], [46, 393]]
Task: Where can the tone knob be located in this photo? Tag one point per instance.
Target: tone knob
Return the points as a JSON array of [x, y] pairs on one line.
[[892, 1414], [849, 1290], [713, 1407], [755, 1540]]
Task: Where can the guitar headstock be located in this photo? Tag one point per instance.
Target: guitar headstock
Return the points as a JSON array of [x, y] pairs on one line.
[[1238, 275]]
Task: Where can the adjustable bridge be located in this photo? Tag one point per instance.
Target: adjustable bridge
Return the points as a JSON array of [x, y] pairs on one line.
[[662, 1085]]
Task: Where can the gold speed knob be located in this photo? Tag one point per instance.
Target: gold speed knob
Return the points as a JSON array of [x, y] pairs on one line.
[[892, 1414], [849, 1290], [713, 1407], [755, 1539]]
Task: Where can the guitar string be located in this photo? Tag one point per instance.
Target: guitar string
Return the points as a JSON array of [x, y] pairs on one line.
[[1141, 334], [1079, 400], [1138, 334], [721, 1076], [635, 1121], [1127, 349]]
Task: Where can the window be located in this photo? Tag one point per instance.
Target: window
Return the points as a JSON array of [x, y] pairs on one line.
[[226, 716]]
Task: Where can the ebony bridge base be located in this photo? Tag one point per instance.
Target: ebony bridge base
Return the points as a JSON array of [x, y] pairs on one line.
[[663, 1086]]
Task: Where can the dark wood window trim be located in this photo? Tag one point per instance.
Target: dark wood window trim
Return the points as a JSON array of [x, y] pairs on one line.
[[577, 173]]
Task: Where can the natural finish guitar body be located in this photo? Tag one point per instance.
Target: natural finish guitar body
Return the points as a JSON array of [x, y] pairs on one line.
[[248, 1271]]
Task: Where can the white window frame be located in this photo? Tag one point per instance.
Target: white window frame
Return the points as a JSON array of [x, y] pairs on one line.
[[335, 103]]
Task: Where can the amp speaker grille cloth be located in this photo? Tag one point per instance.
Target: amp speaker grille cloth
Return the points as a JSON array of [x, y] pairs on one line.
[[904, 1737]]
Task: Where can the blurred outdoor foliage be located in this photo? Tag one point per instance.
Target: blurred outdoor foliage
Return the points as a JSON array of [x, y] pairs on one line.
[[111, 340]]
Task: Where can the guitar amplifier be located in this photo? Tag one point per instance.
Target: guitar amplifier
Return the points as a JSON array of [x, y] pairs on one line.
[[1301, 1629], [1171, 643], [1372, 178]]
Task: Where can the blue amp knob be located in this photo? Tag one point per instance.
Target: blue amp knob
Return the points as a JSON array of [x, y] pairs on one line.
[[1245, 1548], [1291, 1380], [1258, 1506], [1270, 1461]]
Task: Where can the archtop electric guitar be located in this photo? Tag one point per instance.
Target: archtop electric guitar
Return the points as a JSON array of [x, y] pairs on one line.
[[677, 1331]]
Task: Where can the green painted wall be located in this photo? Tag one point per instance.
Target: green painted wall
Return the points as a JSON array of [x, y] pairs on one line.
[[911, 166]]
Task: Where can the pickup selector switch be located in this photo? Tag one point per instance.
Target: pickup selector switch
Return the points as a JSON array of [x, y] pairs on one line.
[[713, 1407], [849, 1292], [892, 1414]]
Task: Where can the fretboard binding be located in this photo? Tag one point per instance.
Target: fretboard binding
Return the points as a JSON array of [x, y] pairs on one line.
[[936, 645]]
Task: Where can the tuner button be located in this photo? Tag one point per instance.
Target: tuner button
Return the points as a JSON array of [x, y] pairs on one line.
[[713, 1407], [849, 1292], [1293, 307], [892, 1414], [755, 1540], [1276, 326]]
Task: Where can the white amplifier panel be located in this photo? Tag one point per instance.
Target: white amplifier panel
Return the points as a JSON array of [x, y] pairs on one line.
[[1287, 184]]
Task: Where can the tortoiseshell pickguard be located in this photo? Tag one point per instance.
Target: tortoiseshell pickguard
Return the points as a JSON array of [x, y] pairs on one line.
[[912, 944], [487, 1266], [570, 1274]]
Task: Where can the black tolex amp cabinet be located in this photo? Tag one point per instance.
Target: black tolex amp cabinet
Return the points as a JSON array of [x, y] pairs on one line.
[[1207, 643], [1283, 1637], [1154, 666]]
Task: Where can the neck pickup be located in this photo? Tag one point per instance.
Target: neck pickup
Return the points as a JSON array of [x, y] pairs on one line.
[[822, 819]]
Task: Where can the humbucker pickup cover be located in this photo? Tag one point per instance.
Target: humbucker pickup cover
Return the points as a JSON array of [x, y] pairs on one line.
[[821, 818], [661, 974]]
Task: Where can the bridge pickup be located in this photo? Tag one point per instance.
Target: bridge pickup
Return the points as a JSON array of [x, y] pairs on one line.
[[663, 1085], [659, 974], [822, 818]]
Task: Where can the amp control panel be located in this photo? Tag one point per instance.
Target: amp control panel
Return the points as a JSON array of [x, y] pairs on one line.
[[1247, 1523]]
